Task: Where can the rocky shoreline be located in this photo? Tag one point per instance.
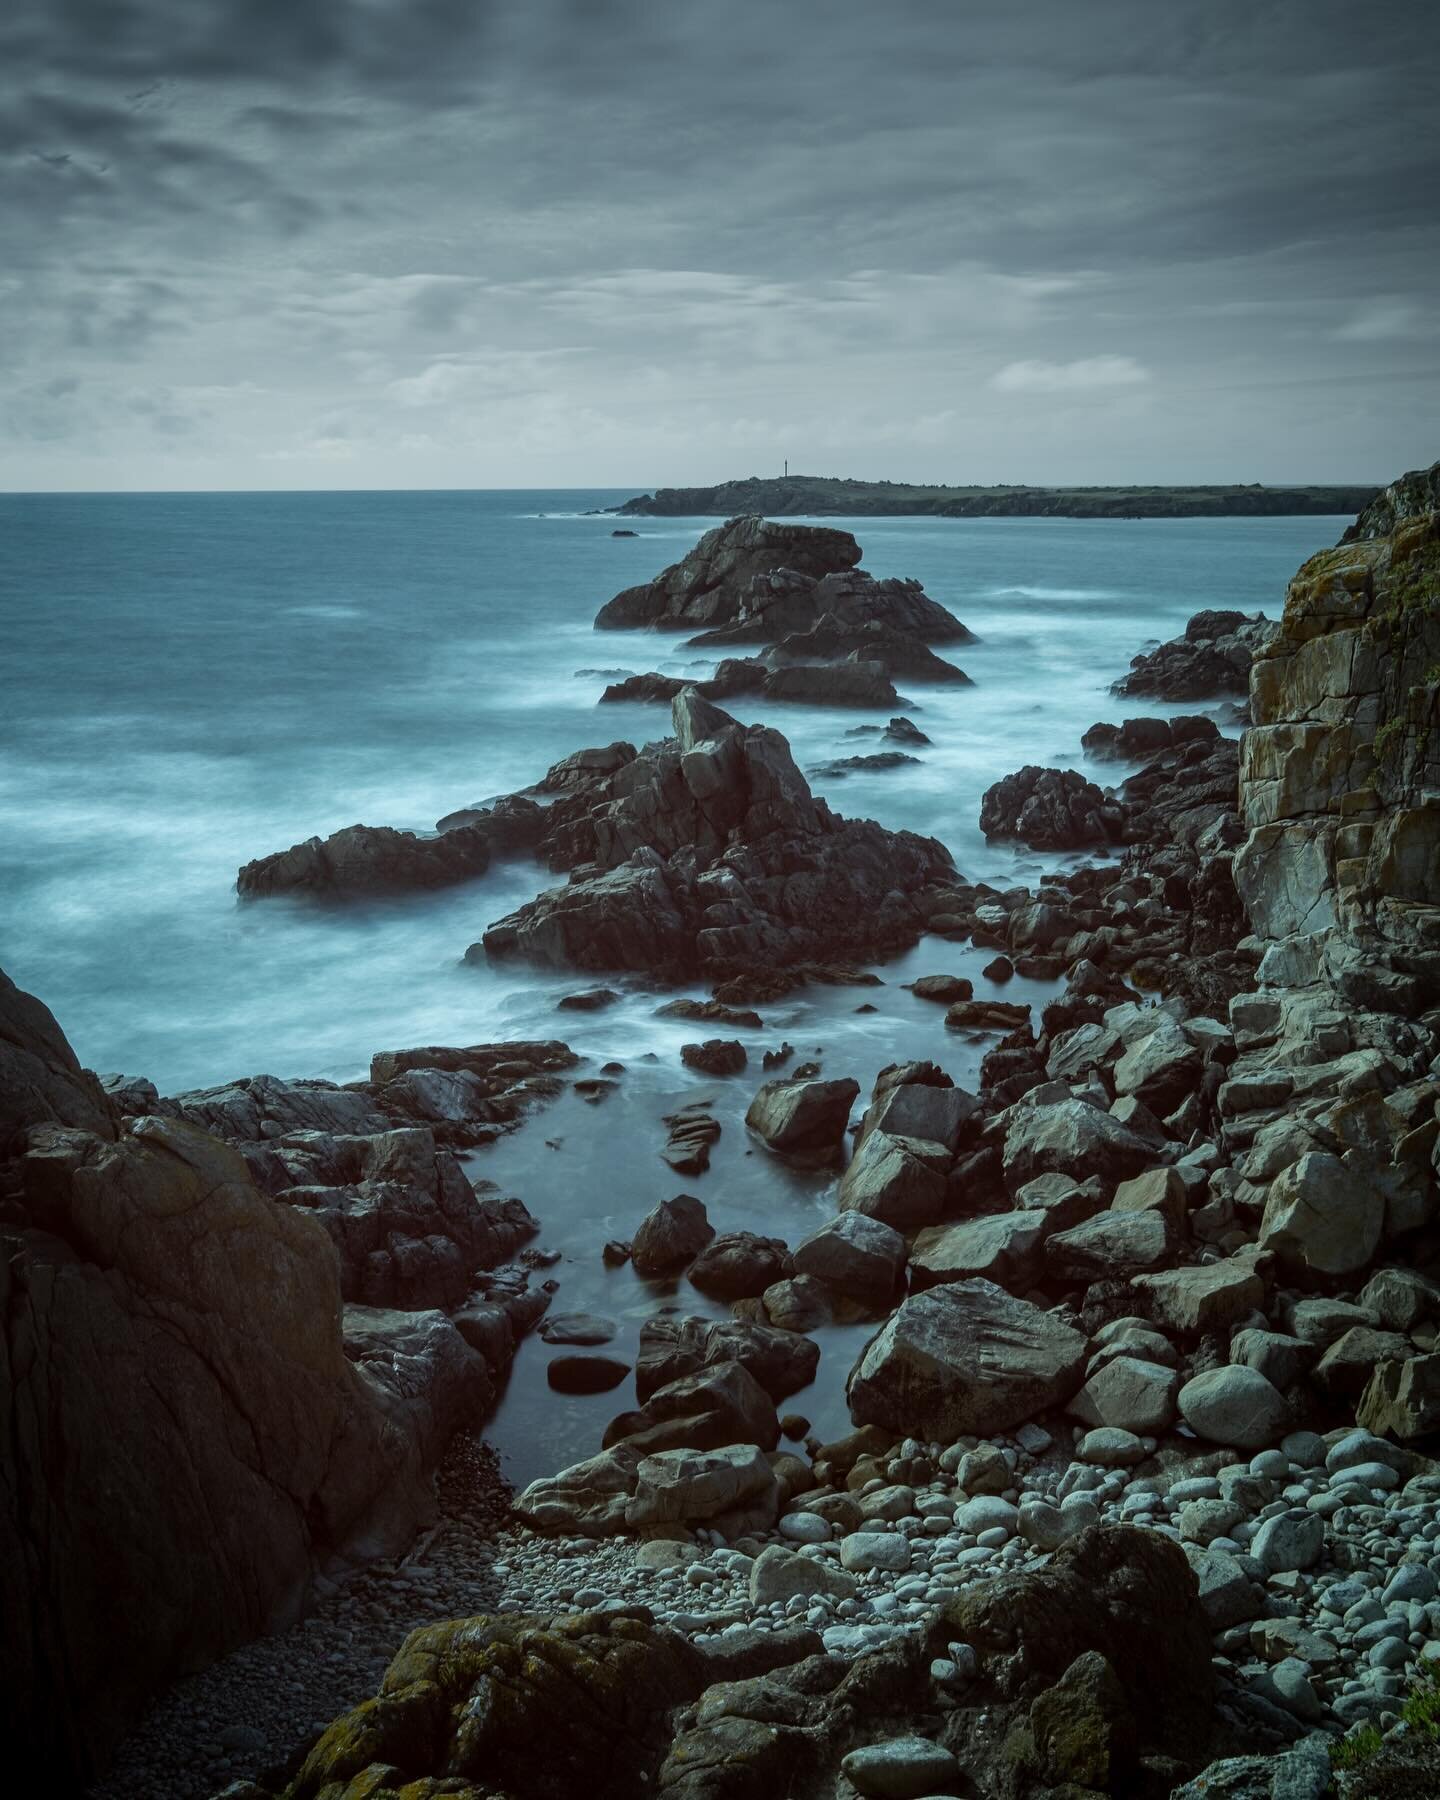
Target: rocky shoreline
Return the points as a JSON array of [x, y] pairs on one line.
[[1141, 1478]]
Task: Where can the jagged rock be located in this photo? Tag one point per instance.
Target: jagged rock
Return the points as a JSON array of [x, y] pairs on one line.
[[776, 606], [671, 1235], [1402, 1399], [935, 1112], [711, 1012], [1213, 657], [716, 1056], [709, 854], [706, 588], [466, 1095], [41, 1081], [373, 859], [1137, 739], [1160, 1068], [964, 1357], [899, 652], [1071, 1137], [803, 1121], [883, 759], [1049, 809], [692, 1131], [988, 1015], [856, 1255]]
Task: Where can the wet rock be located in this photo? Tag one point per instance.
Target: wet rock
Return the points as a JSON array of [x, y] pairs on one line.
[[1070, 1137], [898, 1180], [739, 1264], [370, 859], [675, 1486], [692, 1131], [585, 1374], [712, 1012], [716, 1056], [582, 1329], [670, 1236], [1001, 1247], [591, 1000], [803, 1121], [722, 1403], [706, 587], [903, 1768], [1212, 657], [1112, 1246], [964, 1357], [1049, 809], [946, 989], [670, 1347], [855, 1255]]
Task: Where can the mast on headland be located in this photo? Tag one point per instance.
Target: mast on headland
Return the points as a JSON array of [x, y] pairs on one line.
[[787, 466]]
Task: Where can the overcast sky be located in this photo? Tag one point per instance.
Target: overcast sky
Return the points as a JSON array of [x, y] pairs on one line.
[[459, 243]]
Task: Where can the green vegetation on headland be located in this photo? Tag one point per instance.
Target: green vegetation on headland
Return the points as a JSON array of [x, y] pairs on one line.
[[829, 495]]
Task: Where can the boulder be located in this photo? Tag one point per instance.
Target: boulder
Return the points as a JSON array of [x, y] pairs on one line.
[[964, 1357], [671, 1235], [364, 860], [860, 1257], [1111, 1247], [898, 1180], [803, 1121], [1236, 1406], [1212, 657], [781, 1574], [1001, 1247], [1402, 1399], [588, 1499], [1071, 1137], [1131, 1394], [694, 1486], [175, 1391], [670, 1347], [912, 1109], [739, 1265], [1322, 1219], [585, 1374], [1209, 1297], [1159, 1068], [722, 1403], [716, 1056]]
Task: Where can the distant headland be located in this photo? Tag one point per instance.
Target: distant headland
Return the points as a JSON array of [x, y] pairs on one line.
[[793, 495]]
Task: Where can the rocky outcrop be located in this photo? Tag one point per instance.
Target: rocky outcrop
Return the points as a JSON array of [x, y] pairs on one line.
[[856, 680], [903, 654], [709, 855], [705, 588], [41, 1081], [1050, 809], [1213, 657], [779, 607]]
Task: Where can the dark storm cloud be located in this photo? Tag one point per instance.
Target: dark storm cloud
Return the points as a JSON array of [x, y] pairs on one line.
[[312, 224]]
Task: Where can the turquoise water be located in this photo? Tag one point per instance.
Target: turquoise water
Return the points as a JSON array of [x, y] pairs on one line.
[[191, 681]]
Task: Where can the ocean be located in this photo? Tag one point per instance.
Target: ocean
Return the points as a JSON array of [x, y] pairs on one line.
[[193, 680]]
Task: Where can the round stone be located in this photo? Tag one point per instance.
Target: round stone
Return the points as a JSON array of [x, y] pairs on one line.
[[804, 1528]]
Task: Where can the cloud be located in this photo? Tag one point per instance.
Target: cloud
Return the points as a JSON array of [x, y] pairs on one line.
[[1382, 321], [1034, 376]]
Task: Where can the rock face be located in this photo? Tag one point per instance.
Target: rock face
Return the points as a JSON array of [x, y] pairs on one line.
[[964, 1357], [709, 854], [1050, 809], [41, 1081], [705, 588], [1338, 775], [1213, 657], [179, 1408]]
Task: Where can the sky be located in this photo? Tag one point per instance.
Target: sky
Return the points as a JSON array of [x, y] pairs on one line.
[[631, 243]]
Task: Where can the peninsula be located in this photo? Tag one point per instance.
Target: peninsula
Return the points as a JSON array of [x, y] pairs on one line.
[[822, 495]]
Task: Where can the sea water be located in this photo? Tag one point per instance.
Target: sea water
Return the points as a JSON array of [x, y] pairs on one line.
[[190, 681]]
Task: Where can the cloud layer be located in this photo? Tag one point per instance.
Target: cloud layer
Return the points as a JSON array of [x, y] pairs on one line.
[[605, 242]]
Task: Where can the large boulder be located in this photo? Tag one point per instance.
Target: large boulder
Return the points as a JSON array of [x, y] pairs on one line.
[[1323, 1219], [964, 1357], [1236, 1406], [372, 859], [187, 1438], [1002, 1247], [671, 1234], [1071, 1137], [740, 1265], [733, 1483], [588, 1499], [706, 587], [803, 1121], [899, 1180]]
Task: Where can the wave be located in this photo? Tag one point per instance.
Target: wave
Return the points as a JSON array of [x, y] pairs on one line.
[[1050, 593]]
